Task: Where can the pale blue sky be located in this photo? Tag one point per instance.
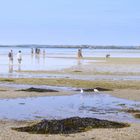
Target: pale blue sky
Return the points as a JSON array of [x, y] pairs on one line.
[[97, 22]]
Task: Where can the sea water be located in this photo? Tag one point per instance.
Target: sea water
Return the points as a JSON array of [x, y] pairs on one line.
[[55, 59]]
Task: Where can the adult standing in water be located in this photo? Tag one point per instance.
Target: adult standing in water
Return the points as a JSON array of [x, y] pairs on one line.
[[80, 53], [11, 58], [19, 58], [10, 55]]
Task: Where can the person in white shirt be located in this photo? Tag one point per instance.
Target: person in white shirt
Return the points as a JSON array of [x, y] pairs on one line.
[[19, 57]]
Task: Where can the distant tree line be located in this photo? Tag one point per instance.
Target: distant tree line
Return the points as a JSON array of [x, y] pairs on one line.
[[73, 46]]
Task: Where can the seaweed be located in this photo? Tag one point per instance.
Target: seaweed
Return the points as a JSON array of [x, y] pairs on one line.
[[103, 89], [3, 90], [134, 112], [7, 80], [69, 126], [32, 89], [137, 116], [93, 89], [131, 111], [77, 71]]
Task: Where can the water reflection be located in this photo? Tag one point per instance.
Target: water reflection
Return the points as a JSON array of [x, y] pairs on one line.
[[32, 57], [19, 67], [37, 57], [44, 56], [10, 68], [79, 62], [44, 53]]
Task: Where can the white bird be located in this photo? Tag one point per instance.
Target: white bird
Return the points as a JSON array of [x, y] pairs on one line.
[[96, 90], [81, 91]]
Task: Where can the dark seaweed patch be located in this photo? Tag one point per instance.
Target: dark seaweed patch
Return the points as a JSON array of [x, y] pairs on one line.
[[134, 112], [103, 89], [7, 80], [32, 89], [69, 126], [77, 71], [93, 89], [3, 90], [131, 111], [137, 116]]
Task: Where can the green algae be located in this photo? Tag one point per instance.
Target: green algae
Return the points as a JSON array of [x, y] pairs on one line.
[[76, 83], [7, 80]]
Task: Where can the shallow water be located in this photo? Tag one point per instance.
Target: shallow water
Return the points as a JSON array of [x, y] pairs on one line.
[[38, 62], [70, 76], [72, 52], [50, 62], [84, 105]]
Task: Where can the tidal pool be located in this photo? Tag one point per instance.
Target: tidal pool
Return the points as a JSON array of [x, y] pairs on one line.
[[95, 105]]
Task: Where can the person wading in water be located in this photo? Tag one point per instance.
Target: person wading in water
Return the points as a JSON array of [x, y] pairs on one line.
[[80, 53]]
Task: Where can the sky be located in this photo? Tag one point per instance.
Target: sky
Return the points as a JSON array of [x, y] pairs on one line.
[[70, 22]]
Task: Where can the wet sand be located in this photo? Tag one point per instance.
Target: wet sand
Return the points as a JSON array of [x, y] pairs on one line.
[[111, 66], [129, 94], [12, 94]]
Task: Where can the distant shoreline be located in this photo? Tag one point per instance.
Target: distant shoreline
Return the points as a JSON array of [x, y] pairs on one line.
[[72, 46]]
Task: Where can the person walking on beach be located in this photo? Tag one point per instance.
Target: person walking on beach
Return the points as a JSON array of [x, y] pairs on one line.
[[80, 53], [10, 55], [19, 57]]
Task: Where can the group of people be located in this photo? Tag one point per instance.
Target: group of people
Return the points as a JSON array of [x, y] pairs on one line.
[[37, 51], [11, 57]]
